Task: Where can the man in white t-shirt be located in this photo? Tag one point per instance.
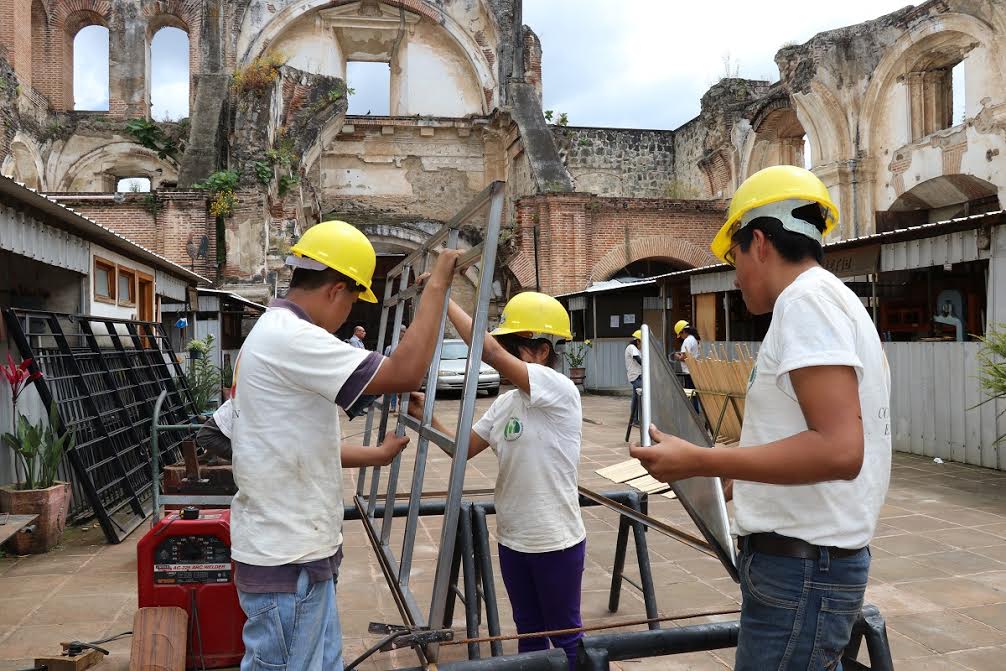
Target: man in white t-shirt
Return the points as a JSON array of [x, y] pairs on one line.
[[634, 372], [814, 460], [291, 373]]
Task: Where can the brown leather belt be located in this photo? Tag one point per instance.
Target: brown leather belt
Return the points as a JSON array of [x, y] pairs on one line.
[[784, 546]]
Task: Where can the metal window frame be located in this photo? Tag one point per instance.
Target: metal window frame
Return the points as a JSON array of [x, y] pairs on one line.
[[397, 571]]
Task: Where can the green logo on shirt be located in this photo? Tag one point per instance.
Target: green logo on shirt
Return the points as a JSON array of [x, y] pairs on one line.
[[752, 376], [513, 429]]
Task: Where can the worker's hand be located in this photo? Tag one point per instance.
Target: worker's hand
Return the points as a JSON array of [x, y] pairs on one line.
[[443, 270], [416, 402], [669, 458], [391, 448]]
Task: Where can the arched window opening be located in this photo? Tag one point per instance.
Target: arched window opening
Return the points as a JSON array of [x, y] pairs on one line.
[[90, 69], [169, 75], [133, 185]]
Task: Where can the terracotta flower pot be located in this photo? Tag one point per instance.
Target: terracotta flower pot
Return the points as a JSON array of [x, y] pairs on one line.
[[50, 504]]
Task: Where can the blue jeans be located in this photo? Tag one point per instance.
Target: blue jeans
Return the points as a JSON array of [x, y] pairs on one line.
[[798, 613], [292, 631], [544, 591]]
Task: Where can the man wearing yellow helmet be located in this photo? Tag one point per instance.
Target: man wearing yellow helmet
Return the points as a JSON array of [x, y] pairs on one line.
[[815, 457], [535, 431], [634, 372], [689, 348], [291, 373]]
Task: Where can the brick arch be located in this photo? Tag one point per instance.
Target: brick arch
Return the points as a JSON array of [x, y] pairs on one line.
[[68, 18], [658, 246], [185, 15]]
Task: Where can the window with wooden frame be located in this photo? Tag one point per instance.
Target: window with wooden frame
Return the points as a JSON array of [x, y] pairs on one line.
[[104, 280], [126, 286]]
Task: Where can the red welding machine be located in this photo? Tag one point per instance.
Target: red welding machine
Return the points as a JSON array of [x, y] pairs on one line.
[[185, 561]]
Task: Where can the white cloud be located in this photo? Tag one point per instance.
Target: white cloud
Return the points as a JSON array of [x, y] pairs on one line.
[[169, 75], [647, 63], [90, 69]]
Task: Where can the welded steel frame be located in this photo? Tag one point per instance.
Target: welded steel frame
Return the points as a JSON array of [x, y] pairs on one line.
[[397, 570], [104, 392]]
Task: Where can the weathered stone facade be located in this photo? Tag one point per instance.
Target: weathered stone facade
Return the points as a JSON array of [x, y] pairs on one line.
[[268, 97]]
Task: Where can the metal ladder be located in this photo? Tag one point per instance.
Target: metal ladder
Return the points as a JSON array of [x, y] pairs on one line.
[[487, 207]]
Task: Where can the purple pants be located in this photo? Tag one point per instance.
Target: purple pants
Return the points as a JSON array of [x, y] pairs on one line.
[[544, 591]]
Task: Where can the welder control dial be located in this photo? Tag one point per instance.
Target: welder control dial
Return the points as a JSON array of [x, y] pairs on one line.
[[192, 559]]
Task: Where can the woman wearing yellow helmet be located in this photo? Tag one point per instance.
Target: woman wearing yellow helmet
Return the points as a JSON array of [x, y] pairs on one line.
[[535, 431]]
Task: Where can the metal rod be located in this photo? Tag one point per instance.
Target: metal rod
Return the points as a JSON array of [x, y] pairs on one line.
[[425, 435], [396, 463], [448, 534], [473, 608], [481, 533], [650, 522], [644, 412]]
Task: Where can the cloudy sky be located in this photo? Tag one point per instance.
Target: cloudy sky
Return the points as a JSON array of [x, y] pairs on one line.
[[619, 63]]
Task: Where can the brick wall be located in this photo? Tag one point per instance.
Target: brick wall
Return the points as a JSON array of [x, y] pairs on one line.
[[181, 217], [583, 238]]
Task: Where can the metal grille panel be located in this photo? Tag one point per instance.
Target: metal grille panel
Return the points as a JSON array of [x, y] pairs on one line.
[[105, 376]]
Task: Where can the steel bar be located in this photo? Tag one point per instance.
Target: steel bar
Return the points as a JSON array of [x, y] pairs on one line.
[[542, 660], [473, 606], [386, 563], [441, 440], [650, 522], [481, 533], [368, 427], [426, 433], [396, 463], [448, 534]]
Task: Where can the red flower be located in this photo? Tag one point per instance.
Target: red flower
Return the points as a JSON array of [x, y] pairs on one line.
[[18, 376]]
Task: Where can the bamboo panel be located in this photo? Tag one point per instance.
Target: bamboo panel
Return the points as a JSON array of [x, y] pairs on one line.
[[719, 375]]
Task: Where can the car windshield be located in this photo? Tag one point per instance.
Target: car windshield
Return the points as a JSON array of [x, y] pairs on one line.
[[453, 351]]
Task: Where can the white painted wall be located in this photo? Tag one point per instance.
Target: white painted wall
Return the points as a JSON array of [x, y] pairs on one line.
[[102, 309]]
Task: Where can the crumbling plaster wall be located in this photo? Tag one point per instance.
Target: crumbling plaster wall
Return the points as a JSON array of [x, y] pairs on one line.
[[852, 89]]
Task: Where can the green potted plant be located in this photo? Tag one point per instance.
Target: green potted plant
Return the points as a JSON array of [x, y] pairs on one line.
[[38, 450], [575, 353], [203, 376]]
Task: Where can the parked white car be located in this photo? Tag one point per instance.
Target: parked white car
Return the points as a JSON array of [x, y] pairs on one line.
[[451, 375]]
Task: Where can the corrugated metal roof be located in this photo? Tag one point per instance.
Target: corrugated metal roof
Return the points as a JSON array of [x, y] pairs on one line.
[[92, 230], [232, 296]]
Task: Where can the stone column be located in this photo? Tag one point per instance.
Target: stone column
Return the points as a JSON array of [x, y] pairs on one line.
[[128, 54]]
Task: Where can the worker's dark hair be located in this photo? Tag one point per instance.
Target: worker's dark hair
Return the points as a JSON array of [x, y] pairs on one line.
[[304, 278], [512, 343], [793, 247], [692, 332]]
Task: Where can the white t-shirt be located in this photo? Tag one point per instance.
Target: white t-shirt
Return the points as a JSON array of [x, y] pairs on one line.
[[537, 441], [290, 376], [224, 418], [817, 321], [690, 346], [633, 368]]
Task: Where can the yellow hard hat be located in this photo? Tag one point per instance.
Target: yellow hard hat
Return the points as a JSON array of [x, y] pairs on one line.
[[637, 334], [773, 185], [680, 326], [536, 313], [341, 247]]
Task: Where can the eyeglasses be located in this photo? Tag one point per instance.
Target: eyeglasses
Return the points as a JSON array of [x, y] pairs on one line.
[[729, 256]]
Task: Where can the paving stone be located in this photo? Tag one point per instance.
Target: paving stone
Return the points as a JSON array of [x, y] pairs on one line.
[[946, 631]]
